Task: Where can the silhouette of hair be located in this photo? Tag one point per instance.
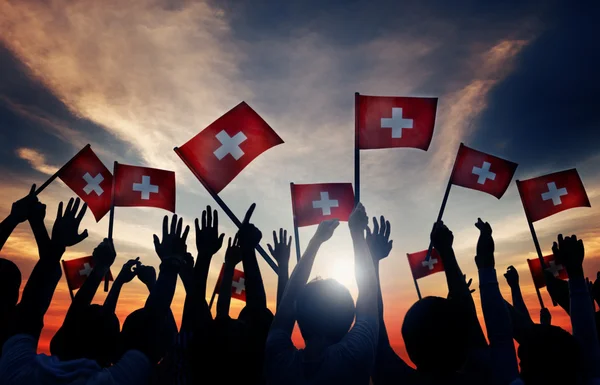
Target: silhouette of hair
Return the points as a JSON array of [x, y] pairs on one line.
[[93, 334], [325, 309], [10, 282], [436, 335], [544, 342], [143, 332]]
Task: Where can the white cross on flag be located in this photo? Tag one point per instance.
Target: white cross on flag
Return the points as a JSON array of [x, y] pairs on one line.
[[421, 267], [143, 186], [238, 284], [550, 194], [89, 178], [483, 172], [77, 270], [223, 149], [314, 203]]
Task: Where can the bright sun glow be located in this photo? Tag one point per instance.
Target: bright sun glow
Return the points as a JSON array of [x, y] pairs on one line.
[[343, 273]]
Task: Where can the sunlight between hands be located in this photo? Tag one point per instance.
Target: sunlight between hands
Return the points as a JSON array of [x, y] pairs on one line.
[[66, 227], [280, 250], [569, 252], [208, 240], [173, 240], [379, 239]]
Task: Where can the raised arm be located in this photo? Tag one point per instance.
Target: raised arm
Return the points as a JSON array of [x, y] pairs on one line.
[[20, 212], [233, 256], [495, 312], [127, 273], [512, 278], [285, 318], [280, 250], [249, 237], [570, 252]]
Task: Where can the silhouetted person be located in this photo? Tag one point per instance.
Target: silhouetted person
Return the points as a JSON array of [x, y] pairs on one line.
[[10, 283]]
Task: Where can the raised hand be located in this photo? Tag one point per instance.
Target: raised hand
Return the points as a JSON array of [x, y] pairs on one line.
[[281, 248], [468, 283], [146, 274], [66, 227], [358, 220], [22, 209], [249, 236], [485, 246], [233, 255], [129, 270], [208, 240], [325, 230], [104, 254], [379, 239], [173, 241], [512, 276], [569, 252], [545, 316], [441, 237]]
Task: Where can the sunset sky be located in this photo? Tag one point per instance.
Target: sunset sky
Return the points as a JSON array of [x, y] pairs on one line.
[[135, 78]]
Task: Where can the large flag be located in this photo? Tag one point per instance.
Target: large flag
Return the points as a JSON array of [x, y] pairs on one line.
[[386, 122], [77, 270], [89, 178], [421, 267], [314, 203], [550, 194], [480, 171], [238, 284], [537, 272], [143, 186], [223, 149]]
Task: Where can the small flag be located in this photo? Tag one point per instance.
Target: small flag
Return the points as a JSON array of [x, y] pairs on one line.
[[143, 186], [77, 270], [238, 284], [550, 194], [314, 203], [89, 178], [537, 273], [480, 171], [421, 267], [386, 122], [223, 149]]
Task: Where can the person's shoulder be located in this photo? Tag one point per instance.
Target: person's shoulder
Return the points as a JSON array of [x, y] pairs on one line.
[[19, 341]]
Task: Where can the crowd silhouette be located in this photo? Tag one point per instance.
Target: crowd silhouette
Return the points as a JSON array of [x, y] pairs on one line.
[[345, 342]]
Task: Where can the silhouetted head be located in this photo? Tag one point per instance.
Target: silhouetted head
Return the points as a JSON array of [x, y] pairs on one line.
[[436, 335], [544, 342], [10, 282], [324, 310], [143, 332]]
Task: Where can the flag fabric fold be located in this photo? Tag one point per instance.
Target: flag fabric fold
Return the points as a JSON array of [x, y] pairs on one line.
[[537, 272], [314, 203]]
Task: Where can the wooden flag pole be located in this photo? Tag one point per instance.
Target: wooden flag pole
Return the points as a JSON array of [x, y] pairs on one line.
[[67, 278], [298, 255], [227, 211], [415, 281], [55, 175], [539, 295], [356, 152], [111, 219]]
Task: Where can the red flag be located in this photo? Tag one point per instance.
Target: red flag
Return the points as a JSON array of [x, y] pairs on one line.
[[143, 186], [386, 122], [420, 267], [77, 271], [87, 176], [550, 194], [314, 203], [537, 273], [223, 149], [480, 171], [238, 284]]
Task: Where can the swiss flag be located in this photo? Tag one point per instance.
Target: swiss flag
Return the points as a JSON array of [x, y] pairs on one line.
[[537, 273], [222, 150], [386, 121], [143, 186], [77, 271], [89, 178], [238, 284], [480, 171], [550, 194], [420, 267], [314, 203]]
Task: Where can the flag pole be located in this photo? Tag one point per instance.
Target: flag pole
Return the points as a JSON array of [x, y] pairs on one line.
[[67, 278], [227, 210], [415, 281], [295, 225], [356, 152], [55, 175], [212, 298], [111, 219], [539, 295]]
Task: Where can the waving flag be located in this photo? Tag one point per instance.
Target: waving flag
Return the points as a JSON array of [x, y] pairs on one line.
[[421, 267], [77, 270], [550, 194], [386, 122], [314, 203], [480, 171], [143, 186], [223, 149], [238, 284], [537, 272]]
